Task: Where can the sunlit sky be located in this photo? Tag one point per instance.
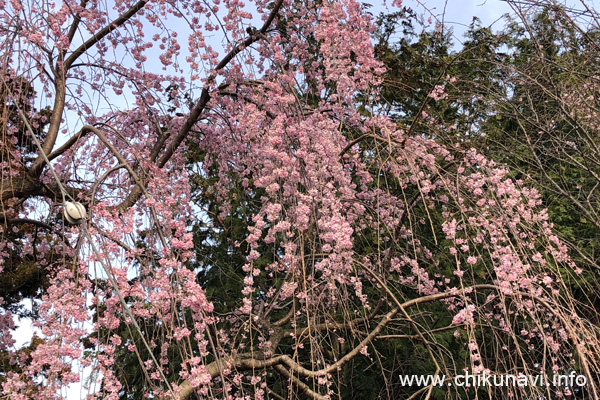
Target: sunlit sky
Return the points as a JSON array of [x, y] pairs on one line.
[[458, 14]]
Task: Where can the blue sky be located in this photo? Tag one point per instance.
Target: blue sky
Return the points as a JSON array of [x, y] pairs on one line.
[[458, 14], [455, 14]]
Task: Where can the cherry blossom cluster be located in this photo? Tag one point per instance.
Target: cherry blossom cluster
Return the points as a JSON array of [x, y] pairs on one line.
[[346, 213]]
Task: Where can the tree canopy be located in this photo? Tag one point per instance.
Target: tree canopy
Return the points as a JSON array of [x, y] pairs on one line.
[[293, 203]]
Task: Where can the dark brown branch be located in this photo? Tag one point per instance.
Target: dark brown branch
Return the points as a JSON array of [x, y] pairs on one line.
[[103, 33], [352, 143], [21, 221], [286, 317], [76, 22], [20, 186], [60, 83], [201, 103], [295, 381], [55, 120], [205, 95], [68, 144]]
